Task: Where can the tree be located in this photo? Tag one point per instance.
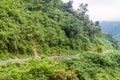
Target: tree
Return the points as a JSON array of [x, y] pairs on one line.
[[82, 8], [68, 5], [97, 23]]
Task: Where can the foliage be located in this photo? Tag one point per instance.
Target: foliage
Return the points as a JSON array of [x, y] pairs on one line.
[[115, 42], [50, 26], [87, 66], [82, 8]]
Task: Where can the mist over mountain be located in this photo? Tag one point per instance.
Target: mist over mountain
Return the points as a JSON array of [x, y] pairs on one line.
[[112, 27]]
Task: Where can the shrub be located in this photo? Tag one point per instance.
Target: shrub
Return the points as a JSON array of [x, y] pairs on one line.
[[63, 75]]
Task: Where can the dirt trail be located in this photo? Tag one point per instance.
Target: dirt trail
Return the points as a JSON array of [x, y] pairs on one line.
[[51, 57], [108, 51], [35, 53]]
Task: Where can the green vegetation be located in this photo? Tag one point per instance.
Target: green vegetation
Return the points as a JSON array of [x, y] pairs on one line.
[[87, 66], [112, 32], [50, 27]]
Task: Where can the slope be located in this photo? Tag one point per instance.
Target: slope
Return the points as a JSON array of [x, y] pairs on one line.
[[50, 26]]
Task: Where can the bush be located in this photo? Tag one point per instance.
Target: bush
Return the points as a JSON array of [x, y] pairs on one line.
[[87, 66], [63, 75]]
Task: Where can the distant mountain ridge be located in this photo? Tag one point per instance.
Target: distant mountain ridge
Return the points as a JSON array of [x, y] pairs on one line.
[[112, 27]]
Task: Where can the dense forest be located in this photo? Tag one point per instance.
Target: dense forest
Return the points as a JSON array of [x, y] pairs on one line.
[[51, 27]]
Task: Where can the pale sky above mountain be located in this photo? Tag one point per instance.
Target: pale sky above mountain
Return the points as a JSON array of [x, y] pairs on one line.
[[107, 10]]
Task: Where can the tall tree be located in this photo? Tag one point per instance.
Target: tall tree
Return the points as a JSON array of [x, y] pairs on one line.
[[97, 23], [82, 8], [68, 5]]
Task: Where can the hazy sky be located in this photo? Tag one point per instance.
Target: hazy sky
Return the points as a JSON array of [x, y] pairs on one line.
[[107, 10]]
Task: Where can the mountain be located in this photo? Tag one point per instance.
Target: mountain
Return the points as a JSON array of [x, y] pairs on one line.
[[112, 27]]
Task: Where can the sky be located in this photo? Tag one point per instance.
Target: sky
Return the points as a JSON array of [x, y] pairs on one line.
[[101, 10]]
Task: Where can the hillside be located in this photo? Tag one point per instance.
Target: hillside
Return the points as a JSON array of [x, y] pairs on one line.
[[49, 40], [47, 27], [112, 27]]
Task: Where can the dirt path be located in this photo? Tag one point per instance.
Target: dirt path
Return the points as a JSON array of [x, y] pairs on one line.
[[51, 57], [12, 60], [108, 51], [35, 53]]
